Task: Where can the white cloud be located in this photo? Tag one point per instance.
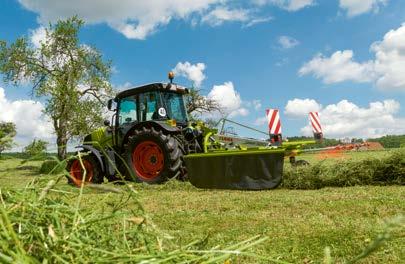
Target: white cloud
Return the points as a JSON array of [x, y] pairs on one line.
[[260, 121], [287, 42], [222, 14], [389, 63], [357, 7], [139, 19], [254, 104], [37, 36], [228, 99], [258, 20], [134, 19], [346, 119], [386, 71], [301, 107], [225, 95], [290, 5], [257, 104], [339, 67], [193, 72], [28, 117], [125, 86]]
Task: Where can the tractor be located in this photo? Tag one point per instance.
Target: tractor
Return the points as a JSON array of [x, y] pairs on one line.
[[151, 139]]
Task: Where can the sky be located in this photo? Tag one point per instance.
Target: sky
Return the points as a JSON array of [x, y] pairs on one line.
[[342, 58]]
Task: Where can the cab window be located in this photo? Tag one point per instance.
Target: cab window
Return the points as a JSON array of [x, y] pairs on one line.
[[127, 111], [175, 106], [149, 106]]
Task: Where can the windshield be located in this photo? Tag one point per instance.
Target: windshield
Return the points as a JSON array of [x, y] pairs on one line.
[[175, 107]]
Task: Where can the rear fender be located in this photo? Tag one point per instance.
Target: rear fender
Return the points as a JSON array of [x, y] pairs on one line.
[[96, 153]]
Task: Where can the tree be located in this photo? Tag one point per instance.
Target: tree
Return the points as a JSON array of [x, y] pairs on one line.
[[7, 134], [390, 141], [195, 102], [36, 147], [71, 77]]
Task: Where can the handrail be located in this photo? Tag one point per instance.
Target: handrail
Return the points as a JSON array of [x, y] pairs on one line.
[[239, 124]]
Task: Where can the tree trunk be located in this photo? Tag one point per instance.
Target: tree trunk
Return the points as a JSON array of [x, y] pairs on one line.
[[61, 138], [61, 141]]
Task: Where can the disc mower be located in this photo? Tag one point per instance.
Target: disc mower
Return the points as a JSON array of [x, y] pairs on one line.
[[151, 139]]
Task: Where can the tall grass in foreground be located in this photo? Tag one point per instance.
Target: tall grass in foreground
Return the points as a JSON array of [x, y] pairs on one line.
[[44, 224], [388, 170], [37, 224]]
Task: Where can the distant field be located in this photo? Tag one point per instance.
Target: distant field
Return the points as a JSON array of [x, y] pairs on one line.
[[300, 224], [330, 157]]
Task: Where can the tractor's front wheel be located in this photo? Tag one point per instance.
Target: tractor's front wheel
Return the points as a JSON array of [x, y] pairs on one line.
[[87, 171], [152, 156]]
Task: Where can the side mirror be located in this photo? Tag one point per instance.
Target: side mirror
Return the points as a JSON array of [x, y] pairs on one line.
[[111, 104], [107, 122]]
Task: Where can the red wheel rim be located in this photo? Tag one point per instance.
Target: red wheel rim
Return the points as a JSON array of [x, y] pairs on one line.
[[77, 172], [148, 160]]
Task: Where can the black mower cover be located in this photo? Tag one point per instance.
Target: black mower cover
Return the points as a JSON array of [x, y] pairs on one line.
[[240, 169]]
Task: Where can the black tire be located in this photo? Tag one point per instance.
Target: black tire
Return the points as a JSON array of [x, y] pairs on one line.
[[92, 166], [164, 158]]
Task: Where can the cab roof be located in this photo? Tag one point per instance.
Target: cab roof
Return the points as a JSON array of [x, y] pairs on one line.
[[152, 87]]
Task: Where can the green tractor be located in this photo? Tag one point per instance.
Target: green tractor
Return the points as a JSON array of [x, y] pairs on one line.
[[151, 139]]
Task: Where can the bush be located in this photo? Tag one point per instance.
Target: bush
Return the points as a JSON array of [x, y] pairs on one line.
[[52, 166], [36, 147], [371, 171], [5, 157]]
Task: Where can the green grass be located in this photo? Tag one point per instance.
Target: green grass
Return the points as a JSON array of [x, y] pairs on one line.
[[388, 168], [299, 224], [313, 157]]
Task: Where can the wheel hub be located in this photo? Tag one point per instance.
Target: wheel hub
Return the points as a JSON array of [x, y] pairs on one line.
[[80, 173], [148, 160]]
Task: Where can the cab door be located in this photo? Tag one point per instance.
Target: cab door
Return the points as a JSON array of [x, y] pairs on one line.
[[127, 115], [150, 103]]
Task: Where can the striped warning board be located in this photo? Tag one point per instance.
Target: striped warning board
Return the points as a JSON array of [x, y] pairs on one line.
[[273, 118], [315, 122]]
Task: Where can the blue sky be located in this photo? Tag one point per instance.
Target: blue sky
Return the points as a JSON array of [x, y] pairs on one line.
[[335, 57]]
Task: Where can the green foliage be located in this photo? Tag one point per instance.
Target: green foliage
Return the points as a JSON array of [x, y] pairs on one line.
[[7, 134], [390, 141], [369, 171], [72, 77], [52, 167], [36, 147]]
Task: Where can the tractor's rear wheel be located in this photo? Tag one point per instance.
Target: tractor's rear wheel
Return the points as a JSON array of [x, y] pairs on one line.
[[152, 156], [87, 171]]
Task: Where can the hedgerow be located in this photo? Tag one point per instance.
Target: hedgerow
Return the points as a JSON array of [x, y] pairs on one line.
[[388, 170]]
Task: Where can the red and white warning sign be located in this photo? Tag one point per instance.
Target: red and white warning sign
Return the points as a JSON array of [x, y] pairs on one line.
[[273, 118], [315, 122]]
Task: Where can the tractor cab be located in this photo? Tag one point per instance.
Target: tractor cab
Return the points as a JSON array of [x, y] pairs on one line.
[[161, 103], [156, 101]]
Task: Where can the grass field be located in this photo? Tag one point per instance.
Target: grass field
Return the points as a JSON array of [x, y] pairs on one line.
[[300, 224]]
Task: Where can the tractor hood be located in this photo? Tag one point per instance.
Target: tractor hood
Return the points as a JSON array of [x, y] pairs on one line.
[[99, 138]]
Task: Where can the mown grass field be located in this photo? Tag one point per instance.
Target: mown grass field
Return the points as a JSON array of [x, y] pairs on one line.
[[300, 224]]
